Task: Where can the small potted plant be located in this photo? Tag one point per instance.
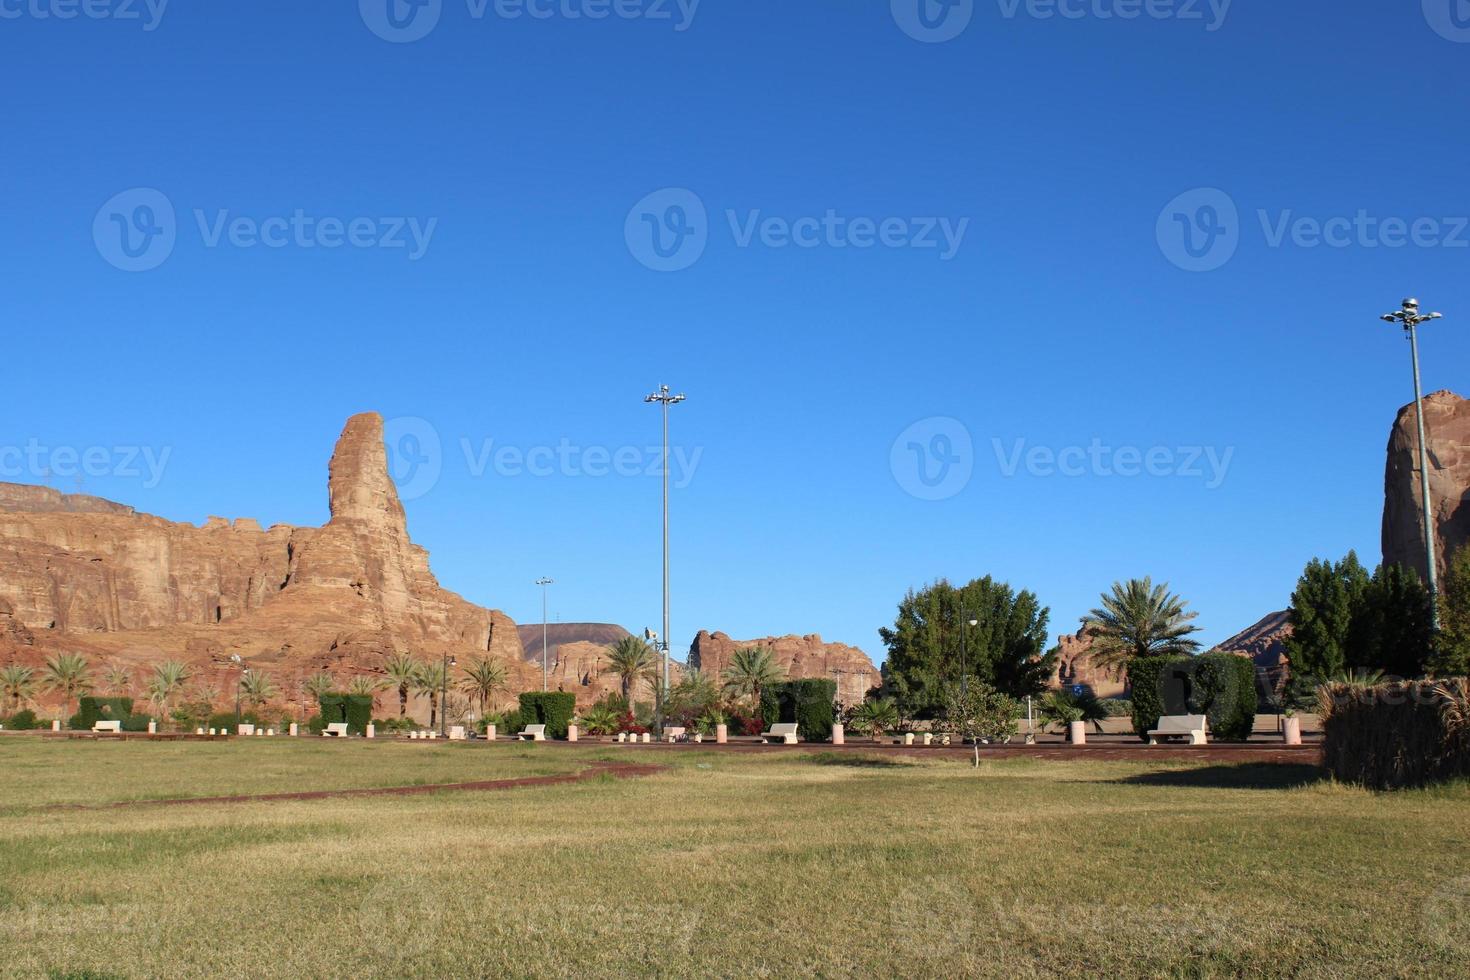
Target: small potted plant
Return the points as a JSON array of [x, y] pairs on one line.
[[1291, 726]]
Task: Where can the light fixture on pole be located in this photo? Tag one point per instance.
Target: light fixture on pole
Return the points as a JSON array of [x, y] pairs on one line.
[[664, 399], [448, 662], [238, 661], [1410, 318], [543, 581], [964, 639]]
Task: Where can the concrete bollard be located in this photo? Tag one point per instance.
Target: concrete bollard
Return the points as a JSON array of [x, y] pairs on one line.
[[153, 728], [490, 733], [271, 732], [56, 724], [1077, 733], [571, 733], [908, 738], [839, 735], [622, 736], [295, 729], [198, 731], [722, 734], [372, 730], [647, 738], [1291, 730], [214, 731]]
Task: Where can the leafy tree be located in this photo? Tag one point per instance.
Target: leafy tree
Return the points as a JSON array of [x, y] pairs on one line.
[[67, 674], [1326, 600], [932, 643], [257, 688], [981, 714], [752, 670], [403, 671], [875, 716], [695, 695], [483, 679], [428, 682], [318, 684], [629, 658], [18, 684], [599, 720], [1393, 626], [1138, 619], [1452, 658]]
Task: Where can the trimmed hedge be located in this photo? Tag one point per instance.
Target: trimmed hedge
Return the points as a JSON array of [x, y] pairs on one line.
[[1396, 735], [355, 709], [225, 720], [1146, 681], [91, 710], [23, 721], [808, 702], [554, 709], [1221, 686]]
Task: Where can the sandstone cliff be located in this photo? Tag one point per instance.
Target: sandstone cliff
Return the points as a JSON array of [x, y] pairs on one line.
[[1447, 435], [801, 657]]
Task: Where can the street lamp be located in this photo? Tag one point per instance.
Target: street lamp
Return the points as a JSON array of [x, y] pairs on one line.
[[1410, 318], [448, 662], [964, 637], [238, 661], [663, 398], [543, 581]]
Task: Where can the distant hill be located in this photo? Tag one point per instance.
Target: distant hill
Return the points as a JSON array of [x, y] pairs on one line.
[[561, 634]]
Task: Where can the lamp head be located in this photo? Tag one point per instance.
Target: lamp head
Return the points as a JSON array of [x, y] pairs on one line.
[[1411, 303], [1389, 317]]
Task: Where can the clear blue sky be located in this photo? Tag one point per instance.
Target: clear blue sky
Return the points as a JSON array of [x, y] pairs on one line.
[[532, 316]]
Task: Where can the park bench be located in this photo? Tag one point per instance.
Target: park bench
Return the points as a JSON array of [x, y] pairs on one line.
[[337, 729], [532, 733], [457, 734], [786, 733], [1192, 727], [115, 727], [675, 734]]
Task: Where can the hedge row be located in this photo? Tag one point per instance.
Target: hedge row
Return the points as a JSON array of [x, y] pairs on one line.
[[554, 709], [809, 703], [1221, 686], [355, 709], [1402, 734]]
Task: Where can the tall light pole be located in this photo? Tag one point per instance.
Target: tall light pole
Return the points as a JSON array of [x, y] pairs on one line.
[[543, 581], [964, 640], [238, 661], [1410, 318], [447, 662], [663, 398]]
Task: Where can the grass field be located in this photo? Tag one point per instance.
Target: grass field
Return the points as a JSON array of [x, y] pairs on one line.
[[734, 864]]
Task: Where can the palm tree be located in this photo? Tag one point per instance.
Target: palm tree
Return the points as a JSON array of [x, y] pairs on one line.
[[117, 681], [67, 673], [876, 716], [695, 694], [427, 683], [403, 671], [1061, 708], [483, 679], [257, 687], [366, 686], [630, 658], [318, 684], [167, 680], [752, 670], [18, 684], [1139, 619]]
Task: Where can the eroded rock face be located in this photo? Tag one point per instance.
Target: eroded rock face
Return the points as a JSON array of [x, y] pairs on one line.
[[1447, 431], [802, 657], [87, 575], [1264, 642], [1074, 667]]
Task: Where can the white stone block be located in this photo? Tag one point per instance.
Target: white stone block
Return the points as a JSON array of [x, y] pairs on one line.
[[722, 734], [490, 732], [372, 730], [295, 729], [153, 728], [839, 735], [571, 733]]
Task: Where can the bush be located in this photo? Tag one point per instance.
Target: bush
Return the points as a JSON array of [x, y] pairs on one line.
[[316, 725], [136, 723], [554, 709], [505, 722], [806, 702], [91, 710], [23, 721], [390, 726], [225, 720], [1224, 689], [1117, 707], [1146, 680], [1401, 734], [355, 709]]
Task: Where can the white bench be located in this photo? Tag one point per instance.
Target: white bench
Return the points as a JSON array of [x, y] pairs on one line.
[[337, 729], [674, 734], [115, 727], [785, 732], [457, 734], [532, 733], [1192, 727]]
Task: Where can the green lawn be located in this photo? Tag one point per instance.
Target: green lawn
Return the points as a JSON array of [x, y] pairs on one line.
[[730, 864]]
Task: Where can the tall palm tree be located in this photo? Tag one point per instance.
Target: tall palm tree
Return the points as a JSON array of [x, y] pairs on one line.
[[752, 670], [168, 679], [483, 679], [403, 671], [257, 688], [117, 681], [428, 682], [67, 673], [1139, 619], [318, 684], [629, 658], [18, 684], [366, 685]]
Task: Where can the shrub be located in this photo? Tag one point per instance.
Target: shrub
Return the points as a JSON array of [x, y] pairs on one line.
[[91, 710], [316, 725], [808, 703], [628, 723], [225, 720], [136, 723], [1223, 687], [1117, 707], [1395, 735], [355, 709], [599, 720], [1146, 680], [1061, 708], [505, 722], [554, 709], [389, 726], [23, 721]]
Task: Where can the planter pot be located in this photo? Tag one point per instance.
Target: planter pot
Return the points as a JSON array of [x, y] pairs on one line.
[[1291, 729], [1077, 733]]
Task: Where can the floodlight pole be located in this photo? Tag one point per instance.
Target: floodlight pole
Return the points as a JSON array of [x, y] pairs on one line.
[[1410, 318], [448, 662], [543, 581], [239, 683], [664, 399]]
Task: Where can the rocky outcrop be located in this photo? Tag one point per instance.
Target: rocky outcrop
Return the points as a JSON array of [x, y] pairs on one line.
[[1074, 668], [1447, 437], [559, 635], [95, 577], [801, 657], [1264, 642]]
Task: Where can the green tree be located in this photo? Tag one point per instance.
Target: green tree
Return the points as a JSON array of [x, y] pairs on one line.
[[752, 670], [694, 695], [18, 684], [1328, 597], [932, 642], [980, 713], [1452, 656], [1392, 626], [629, 658], [484, 678], [67, 674], [167, 680], [1138, 619], [402, 670], [257, 688], [429, 682]]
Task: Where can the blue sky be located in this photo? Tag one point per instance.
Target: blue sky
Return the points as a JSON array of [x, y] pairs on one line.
[[1065, 317]]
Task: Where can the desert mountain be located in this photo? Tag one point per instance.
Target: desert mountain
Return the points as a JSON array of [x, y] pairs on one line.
[[800, 657]]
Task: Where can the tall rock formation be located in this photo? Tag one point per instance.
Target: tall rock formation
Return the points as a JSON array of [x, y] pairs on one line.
[[801, 657], [86, 575], [1447, 436]]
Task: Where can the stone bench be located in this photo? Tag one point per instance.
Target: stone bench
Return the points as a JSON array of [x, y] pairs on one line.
[[1192, 727], [785, 732], [337, 729], [115, 727], [675, 734], [532, 733]]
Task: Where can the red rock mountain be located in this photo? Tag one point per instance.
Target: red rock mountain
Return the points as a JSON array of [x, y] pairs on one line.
[[801, 657], [1447, 435]]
